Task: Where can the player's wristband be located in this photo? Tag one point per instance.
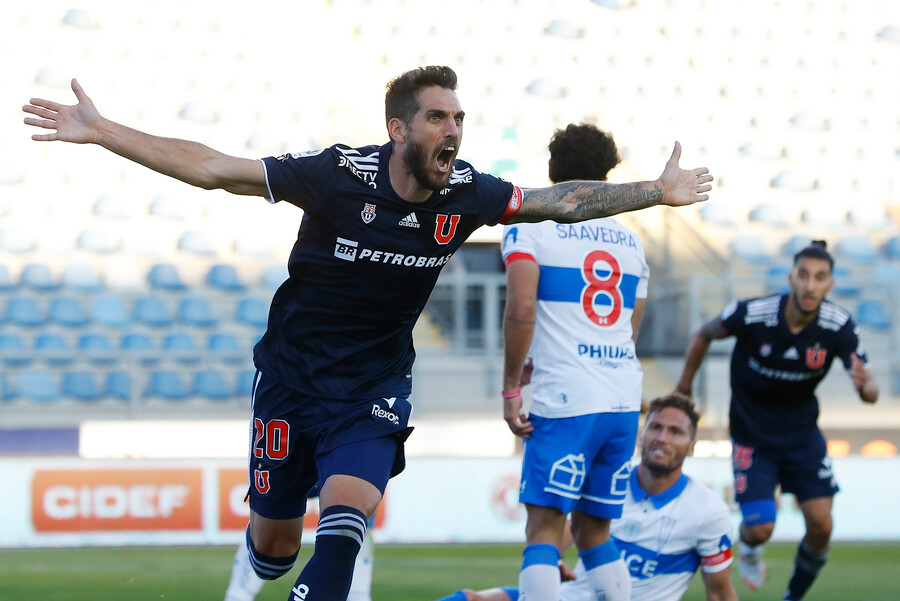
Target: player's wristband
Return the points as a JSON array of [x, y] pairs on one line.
[[511, 395]]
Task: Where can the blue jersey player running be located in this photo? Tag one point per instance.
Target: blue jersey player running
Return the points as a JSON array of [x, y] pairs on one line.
[[379, 222], [784, 346], [575, 297]]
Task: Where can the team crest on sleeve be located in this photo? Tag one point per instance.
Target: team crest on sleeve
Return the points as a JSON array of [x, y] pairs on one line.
[[368, 213]]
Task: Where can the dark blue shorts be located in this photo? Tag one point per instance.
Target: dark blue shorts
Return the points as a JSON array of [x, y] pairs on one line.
[[804, 470], [299, 440]]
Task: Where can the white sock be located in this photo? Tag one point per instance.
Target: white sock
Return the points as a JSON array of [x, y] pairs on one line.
[[361, 585], [539, 578], [607, 573], [244, 584], [754, 551]]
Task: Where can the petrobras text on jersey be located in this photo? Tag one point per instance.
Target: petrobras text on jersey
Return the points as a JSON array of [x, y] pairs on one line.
[[349, 250], [605, 351], [597, 233]]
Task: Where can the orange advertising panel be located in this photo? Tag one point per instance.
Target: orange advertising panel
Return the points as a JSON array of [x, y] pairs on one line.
[[116, 500], [234, 512]]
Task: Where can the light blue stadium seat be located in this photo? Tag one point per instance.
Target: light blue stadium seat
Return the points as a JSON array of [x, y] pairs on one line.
[[38, 277], [15, 241], [13, 351], [118, 385], [165, 276], [274, 276], [110, 311], [96, 348], [53, 349], [195, 242], [857, 248], [168, 385], [844, 284], [38, 385], [795, 244], [716, 213], [225, 346], [6, 282], [81, 386], [167, 207], [769, 214], [873, 314], [777, 279], [67, 311], [96, 241], [7, 390], [224, 277], [892, 248], [212, 385], [181, 346], [152, 311], [244, 383], [25, 311], [81, 277], [253, 312], [886, 277], [196, 311], [138, 346], [750, 248]]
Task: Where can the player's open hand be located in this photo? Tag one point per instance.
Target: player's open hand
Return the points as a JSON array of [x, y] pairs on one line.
[[517, 421], [70, 123], [858, 372], [684, 187]]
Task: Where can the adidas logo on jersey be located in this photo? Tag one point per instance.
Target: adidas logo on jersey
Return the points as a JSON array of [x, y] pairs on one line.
[[791, 353], [410, 221]]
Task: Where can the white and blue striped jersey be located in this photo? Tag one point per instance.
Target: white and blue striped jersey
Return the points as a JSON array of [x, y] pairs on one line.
[[663, 539], [591, 274]]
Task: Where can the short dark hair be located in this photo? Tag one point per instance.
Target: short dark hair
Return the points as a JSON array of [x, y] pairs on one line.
[[582, 152], [676, 401], [401, 100], [816, 250]]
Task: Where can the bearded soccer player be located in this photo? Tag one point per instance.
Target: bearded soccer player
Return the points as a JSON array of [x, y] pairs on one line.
[[671, 525], [334, 366], [784, 346]]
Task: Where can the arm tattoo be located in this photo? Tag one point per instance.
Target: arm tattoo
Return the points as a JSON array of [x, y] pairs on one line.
[[581, 200]]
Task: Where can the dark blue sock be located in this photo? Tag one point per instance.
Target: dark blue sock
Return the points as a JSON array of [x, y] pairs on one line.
[[807, 565], [328, 573], [268, 568]]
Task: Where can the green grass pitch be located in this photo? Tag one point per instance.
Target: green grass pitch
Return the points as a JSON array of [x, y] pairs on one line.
[[402, 573]]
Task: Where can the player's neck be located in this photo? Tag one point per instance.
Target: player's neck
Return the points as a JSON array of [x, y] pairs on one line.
[[796, 319], [656, 482], [405, 185]]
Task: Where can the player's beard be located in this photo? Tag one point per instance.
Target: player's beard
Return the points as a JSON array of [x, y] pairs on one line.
[[796, 300], [658, 469], [416, 158]]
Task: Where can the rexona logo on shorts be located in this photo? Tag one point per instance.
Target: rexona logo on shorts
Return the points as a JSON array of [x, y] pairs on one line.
[[116, 499], [381, 413]]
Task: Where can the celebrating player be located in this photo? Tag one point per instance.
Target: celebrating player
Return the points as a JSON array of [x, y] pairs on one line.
[[334, 366], [577, 293], [784, 347], [670, 525]]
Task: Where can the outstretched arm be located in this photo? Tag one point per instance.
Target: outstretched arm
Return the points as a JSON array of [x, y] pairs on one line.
[[190, 162], [580, 200], [695, 353]]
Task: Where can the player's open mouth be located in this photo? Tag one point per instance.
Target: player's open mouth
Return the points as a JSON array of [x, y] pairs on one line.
[[445, 158]]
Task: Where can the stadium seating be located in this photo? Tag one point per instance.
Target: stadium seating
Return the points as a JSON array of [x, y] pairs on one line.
[[81, 277], [873, 314], [225, 346], [857, 248], [6, 281], [181, 346], [196, 242], [274, 276], [81, 386], [118, 385], [224, 277], [253, 312], [68, 312], [138, 347], [38, 277], [96, 348], [167, 385], [38, 385], [96, 240], [15, 241], [53, 349], [196, 311], [152, 311], [212, 385], [165, 276], [7, 389], [750, 248], [892, 248], [13, 351], [109, 311], [25, 311]]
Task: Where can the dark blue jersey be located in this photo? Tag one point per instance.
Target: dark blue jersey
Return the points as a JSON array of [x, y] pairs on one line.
[[774, 373], [363, 266]]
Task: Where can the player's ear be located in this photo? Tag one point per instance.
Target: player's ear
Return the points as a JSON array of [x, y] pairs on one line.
[[397, 130], [690, 451]]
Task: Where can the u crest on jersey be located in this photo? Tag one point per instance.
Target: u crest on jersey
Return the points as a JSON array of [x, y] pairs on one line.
[[815, 357], [444, 232]]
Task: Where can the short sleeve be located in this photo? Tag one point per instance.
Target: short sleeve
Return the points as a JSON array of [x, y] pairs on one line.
[[849, 343], [520, 241], [501, 199], [303, 179], [715, 537], [732, 317]]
